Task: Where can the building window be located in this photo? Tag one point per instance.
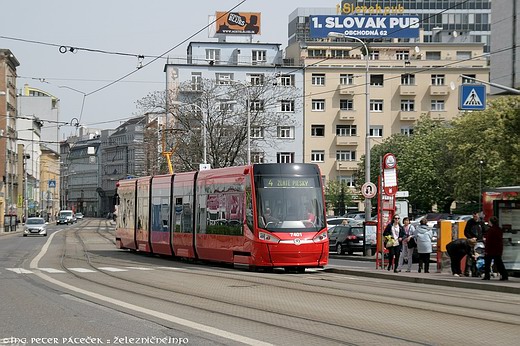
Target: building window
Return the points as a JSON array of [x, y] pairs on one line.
[[407, 79], [318, 156], [346, 79], [346, 130], [286, 80], [196, 81], [340, 53], [407, 105], [224, 78], [468, 80], [318, 79], [317, 53], [437, 105], [225, 105], [348, 180], [376, 79], [287, 106], [346, 155], [285, 132], [437, 79], [402, 55], [463, 55], [407, 130], [285, 157], [433, 55], [213, 55], [376, 131], [376, 105], [318, 105], [317, 130], [374, 55], [259, 57], [256, 79], [257, 157], [346, 105], [257, 132], [257, 105]]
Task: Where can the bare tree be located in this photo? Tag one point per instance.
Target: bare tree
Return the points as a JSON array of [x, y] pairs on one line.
[[221, 107]]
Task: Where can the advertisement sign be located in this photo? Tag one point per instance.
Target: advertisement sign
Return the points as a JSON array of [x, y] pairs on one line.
[[238, 23], [365, 26], [389, 174]]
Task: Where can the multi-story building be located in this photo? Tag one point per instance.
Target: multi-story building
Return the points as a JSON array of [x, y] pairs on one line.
[[122, 156], [505, 45], [406, 81], [447, 21], [8, 159], [271, 90], [49, 182]]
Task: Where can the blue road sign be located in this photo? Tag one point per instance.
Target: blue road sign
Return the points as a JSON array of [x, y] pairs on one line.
[[52, 183], [472, 97]]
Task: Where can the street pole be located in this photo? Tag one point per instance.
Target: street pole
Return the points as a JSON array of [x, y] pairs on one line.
[[481, 162], [248, 129], [368, 203]]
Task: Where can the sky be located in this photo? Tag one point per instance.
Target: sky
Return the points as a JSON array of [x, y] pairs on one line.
[[148, 28]]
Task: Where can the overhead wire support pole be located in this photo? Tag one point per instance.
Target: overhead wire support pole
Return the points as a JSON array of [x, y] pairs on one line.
[[503, 87]]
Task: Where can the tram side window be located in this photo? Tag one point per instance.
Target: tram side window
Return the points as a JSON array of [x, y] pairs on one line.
[[177, 214], [186, 218], [225, 213]]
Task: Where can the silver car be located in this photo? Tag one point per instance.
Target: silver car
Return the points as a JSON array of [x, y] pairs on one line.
[[35, 226]]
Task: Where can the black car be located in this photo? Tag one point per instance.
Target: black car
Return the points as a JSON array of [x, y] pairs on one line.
[[345, 238]]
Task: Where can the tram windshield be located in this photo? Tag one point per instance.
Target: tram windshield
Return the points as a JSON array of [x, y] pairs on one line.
[[285, 204]]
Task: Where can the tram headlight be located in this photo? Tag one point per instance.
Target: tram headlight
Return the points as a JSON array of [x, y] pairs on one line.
[[321, 237], [268, 237]]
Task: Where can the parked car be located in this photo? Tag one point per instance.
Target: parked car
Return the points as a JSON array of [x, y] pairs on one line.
[[346, 238], [79, 216], [334, 221], [35, 226]]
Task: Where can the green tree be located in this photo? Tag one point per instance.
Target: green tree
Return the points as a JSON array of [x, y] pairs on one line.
[[338, 196], [491, 136]]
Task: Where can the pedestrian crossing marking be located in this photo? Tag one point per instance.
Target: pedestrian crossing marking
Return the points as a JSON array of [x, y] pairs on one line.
[[473, 99], [51, 270], [19, 270], [82, 270], [112, 269], [139, 268]]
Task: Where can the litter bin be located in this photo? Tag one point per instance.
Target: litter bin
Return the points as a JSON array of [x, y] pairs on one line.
[[9, 223]]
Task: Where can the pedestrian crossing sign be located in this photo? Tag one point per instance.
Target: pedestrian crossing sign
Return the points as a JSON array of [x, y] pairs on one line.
[[472, 97]]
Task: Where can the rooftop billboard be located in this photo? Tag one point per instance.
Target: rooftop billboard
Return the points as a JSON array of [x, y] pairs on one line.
[[238, 23], [365, 26]]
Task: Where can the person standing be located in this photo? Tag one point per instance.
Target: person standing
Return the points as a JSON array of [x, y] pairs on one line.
[[396, 232], [493, 251], [406, 252], [423, 236], [474, 230], [457, 249]]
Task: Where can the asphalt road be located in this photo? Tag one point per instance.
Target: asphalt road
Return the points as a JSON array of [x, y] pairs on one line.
[[74, 283]]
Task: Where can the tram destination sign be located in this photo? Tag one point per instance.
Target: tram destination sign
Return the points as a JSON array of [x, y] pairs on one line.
[[297, 182]]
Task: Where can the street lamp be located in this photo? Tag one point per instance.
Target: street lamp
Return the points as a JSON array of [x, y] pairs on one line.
[[368, 204], [481, 162]]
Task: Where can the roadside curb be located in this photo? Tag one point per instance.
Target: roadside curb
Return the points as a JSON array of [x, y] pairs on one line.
[[503, 287]]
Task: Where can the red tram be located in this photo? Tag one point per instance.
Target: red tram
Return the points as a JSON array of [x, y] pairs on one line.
[[260, 216]]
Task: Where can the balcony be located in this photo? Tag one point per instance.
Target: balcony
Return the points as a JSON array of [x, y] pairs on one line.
[[407, 90], [346, 115], [438, 115], [439, 90], [347, 140], [408, 116], [346, 89], [346, 166]]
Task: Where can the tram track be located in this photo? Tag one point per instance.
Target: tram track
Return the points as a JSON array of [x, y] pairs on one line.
[[338, 292], [145, 287]]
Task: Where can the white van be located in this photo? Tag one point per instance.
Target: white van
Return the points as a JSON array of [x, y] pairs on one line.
[[65, 217]]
